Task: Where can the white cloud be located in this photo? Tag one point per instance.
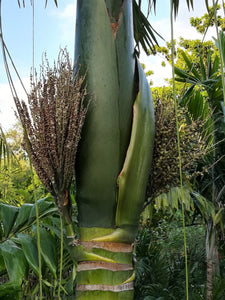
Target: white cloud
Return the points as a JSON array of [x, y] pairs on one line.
[[68, 12], [66, 23], [7, 106]]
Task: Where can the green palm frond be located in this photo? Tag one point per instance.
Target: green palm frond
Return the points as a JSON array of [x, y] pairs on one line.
[[23, 2], [205, 76], [192, 200], [144, 33], [175, 3], [56, 3]]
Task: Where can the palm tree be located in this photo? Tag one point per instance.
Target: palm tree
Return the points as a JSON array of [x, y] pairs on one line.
[[115, 151]]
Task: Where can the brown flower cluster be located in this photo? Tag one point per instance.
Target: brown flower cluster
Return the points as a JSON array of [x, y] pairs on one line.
[[193, 147], [52, 123]]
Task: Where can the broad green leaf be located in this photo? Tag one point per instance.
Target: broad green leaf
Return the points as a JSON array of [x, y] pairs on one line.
[[190, 66], [10, 290], [48, 249], [8, 216], [23, 216], [15, 261], [55, 227], [44, 207], [29, 246]]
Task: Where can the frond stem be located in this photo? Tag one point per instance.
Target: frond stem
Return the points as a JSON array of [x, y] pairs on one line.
[[178, 142]]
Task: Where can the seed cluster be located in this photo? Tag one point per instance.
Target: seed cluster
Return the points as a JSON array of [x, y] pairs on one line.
[[193, 147], [53, 121]]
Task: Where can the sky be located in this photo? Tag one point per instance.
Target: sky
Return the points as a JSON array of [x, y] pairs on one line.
[[55, 29]]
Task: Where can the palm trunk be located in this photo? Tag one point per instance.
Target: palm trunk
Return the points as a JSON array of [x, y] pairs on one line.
[[212, 258], [105, 279], [115, 151]]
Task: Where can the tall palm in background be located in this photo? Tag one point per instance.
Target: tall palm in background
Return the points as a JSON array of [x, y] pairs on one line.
[[207, 78]]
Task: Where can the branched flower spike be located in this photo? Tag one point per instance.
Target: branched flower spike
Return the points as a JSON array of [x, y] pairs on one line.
[[52, 124]]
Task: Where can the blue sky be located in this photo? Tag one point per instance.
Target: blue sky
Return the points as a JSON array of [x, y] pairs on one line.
[[55, 28], [51, 33]]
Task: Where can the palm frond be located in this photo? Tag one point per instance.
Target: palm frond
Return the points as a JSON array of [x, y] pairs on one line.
[[56, 3], [23, 2], [144, 33], [175, 3]]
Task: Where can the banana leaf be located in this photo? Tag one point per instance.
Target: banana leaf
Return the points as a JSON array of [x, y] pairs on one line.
[[48, 249], [8, 216], [15, 261], [29, 247]]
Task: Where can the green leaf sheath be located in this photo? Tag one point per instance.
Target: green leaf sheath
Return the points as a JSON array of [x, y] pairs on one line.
[[104, 49], [133, 178], [98, 155], [108, 59], [126, 74]]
